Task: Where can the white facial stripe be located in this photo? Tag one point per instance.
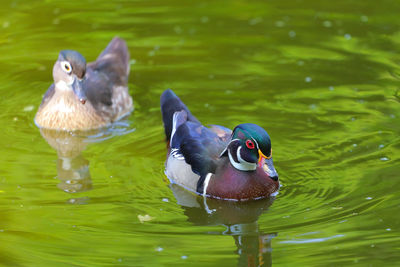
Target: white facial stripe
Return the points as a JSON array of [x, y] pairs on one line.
[[255, 142], [242, 165], [223, 151], [239, 157], [251, 166], [226, 148]]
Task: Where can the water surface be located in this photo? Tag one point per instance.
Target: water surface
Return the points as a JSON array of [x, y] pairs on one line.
[[321, 77]]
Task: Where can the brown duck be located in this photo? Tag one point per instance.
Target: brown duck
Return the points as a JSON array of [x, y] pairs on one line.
[[87, 96]]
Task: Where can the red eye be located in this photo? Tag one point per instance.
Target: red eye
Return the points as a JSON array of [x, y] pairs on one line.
[[249, 144]]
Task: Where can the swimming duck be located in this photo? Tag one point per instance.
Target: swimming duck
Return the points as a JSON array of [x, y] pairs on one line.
[[91, 96], [217, 162]]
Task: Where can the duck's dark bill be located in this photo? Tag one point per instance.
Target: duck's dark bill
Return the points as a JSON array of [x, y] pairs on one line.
[[78, 90]]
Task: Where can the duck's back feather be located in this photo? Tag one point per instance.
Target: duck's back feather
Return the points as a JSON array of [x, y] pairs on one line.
[[107, 80], [197, 144], [170, 103], [48, 95], [114, 62]]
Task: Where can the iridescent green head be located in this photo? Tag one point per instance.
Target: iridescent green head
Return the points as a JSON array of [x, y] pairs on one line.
[[250, 146], [254, 137]]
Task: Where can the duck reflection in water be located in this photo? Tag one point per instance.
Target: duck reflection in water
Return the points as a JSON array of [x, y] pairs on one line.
[[239, 218], [72, 168], [83, 100]]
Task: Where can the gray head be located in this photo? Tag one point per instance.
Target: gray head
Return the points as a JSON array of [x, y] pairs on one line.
[[69, 71]]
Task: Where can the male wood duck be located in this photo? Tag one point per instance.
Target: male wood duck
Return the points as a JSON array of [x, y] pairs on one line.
[[91, 96], [217, 162]]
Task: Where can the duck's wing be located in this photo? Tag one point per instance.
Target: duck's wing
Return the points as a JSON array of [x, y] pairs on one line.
[[222, 132], [110, 70], [48, 95], [170, 103], [199, 147], [189, 140], [196, 144], [113, 62]]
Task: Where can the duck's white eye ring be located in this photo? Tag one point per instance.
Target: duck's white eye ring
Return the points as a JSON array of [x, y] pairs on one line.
[[66, 66]]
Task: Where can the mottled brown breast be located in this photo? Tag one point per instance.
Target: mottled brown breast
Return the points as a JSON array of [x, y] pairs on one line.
[[64, 112]]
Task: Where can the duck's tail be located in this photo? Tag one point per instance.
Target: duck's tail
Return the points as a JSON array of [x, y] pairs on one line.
[[115, 61], [170, 104]]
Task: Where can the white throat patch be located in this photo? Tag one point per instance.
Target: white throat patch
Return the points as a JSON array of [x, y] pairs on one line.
[[242, 165], [61, 85]]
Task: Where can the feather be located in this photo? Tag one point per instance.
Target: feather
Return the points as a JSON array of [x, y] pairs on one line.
[[170, 103]]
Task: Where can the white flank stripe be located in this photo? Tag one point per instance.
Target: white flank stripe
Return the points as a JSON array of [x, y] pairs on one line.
[[206, 181]]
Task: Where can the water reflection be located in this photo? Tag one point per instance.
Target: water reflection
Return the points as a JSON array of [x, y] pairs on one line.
[[240, 220], [72, 168], [74, 174]]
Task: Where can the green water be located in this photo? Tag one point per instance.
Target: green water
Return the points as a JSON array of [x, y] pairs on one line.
[[322, 77]]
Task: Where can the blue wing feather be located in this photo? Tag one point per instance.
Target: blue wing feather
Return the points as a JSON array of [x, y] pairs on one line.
[[197, 144], [170, 103]]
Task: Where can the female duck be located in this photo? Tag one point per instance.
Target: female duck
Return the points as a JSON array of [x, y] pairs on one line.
[[85, 97], [217, 162]]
